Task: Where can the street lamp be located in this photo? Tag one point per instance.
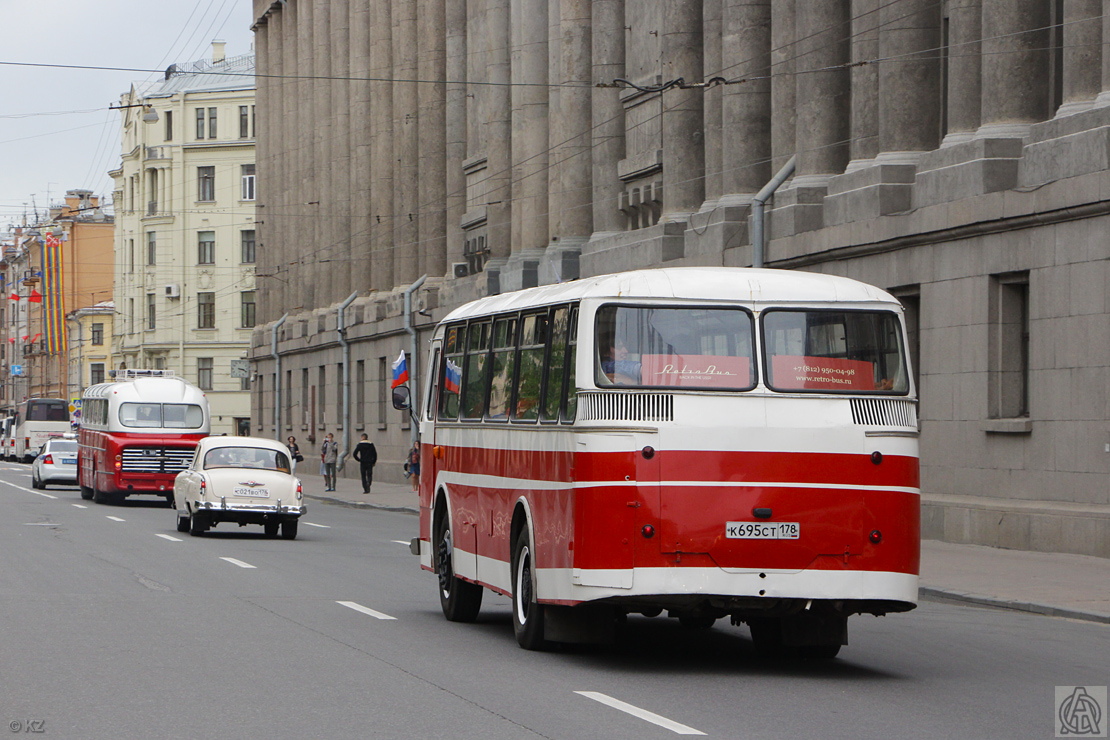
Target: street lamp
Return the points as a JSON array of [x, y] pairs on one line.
[[149, 114]]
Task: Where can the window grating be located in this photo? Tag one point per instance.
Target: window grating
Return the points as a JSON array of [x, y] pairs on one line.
[[884, 412], [626, 406]]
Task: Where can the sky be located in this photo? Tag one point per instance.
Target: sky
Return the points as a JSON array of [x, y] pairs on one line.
[[56, 131]]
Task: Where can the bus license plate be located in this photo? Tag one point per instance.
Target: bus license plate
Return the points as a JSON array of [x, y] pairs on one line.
[[255, 492], [762, 530]]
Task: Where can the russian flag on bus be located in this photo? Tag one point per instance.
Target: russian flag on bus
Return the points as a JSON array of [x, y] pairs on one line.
[[452, 377], [400, 371]]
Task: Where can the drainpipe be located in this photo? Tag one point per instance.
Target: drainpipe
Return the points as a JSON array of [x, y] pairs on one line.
[[341, 329], [414, 382], [759, 239], [277, 375]]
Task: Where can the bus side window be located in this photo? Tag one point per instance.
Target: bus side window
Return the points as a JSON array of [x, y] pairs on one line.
[[476, 375], [501, 376], [556, 364], [450, 374], [533, 343], [570, 408]]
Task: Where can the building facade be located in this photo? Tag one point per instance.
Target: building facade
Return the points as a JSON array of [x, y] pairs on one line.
[[49, 269], [955, 153], [185, 245]]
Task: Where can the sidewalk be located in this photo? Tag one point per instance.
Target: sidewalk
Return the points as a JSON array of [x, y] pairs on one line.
[[1059, 585]]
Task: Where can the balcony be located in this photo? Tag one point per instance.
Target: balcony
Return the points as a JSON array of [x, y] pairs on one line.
[[32, 349], [31, 277], [157, 152]]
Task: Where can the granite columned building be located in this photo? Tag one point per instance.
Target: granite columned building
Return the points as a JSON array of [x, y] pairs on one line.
[[956, 153]]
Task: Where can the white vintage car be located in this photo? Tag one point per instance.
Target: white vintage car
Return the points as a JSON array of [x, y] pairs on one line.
[[247, 480]]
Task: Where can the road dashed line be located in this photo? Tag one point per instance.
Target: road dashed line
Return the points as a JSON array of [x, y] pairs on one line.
[[240, 563], [365, 610], [115, 518], [169, 537], [652, 717]]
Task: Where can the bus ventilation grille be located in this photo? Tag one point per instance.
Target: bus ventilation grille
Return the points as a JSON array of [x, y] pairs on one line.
[[155, 459], [626, 407], [884, 412]]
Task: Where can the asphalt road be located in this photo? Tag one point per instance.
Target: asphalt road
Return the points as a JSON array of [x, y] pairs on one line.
[[114, 625]]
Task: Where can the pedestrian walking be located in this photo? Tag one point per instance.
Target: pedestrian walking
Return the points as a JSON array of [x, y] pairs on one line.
[[294, 450], [329, 456], [367, 456], [414, 466]]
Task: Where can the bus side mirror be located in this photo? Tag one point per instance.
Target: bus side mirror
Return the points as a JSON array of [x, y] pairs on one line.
[[401, 397]]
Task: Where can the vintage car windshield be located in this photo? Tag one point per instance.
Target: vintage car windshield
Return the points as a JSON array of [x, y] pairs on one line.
[[161, 415], [257, 458], [674, 347], [830, 351]]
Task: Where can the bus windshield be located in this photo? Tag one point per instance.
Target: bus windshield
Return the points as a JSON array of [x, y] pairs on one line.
[[161, 415], [833, 351], [668, 347]]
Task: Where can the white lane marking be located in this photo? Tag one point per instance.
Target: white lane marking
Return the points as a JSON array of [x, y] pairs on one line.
[[321, 526], [240, 563], [80, 506], [401, 542], [168, 537], [365, 610], [115, 519], [40, 524], [28, 490], [643, 714]]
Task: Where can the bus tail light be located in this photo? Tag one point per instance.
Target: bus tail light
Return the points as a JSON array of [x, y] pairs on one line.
[[876, 536]]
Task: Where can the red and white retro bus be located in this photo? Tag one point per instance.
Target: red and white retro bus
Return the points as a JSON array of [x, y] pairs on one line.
[[709, 442], [137, 433]]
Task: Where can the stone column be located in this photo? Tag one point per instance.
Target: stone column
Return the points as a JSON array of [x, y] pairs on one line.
[[406, 142], [431, 21], [746, 145], [359, 146], [264, 98], [321, 122], [530, 128], [683, 145], [713, 66], [302, 270], [823, 102], [382, 154], [865, 83], [965, 70], [457, 104], [339, 180], [1015, 66], [783, 84], [498, 125], [1082, 34], [608, 115], [909, 79], [1104, 95]]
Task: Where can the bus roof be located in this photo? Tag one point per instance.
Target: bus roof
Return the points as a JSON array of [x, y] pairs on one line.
[[150, 389], [742, 284]]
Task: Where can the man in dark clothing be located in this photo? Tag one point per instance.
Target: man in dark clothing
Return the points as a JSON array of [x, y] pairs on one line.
[[366, 455]]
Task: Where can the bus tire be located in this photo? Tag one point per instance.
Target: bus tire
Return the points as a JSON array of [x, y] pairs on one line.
[[86, 493], [767, 637], [818, 653], [289, 529], [460, 600], [527, 612]]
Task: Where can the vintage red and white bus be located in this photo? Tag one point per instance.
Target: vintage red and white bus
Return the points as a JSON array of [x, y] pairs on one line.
[[137, 433], [709, 442], [37, 420]]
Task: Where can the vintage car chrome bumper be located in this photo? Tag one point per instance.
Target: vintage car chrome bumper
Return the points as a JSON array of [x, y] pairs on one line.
[[223, 505]]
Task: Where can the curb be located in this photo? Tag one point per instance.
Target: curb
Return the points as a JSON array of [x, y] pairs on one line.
[[939, 594], [363, 505]]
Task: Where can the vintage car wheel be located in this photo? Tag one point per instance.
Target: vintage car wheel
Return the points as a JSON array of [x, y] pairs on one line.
[[197, 525], [182, 523], [460, 600], [271, 528], [289, 529], [527, 612]]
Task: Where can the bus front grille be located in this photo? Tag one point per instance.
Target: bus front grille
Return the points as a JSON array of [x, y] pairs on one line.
[[884, 412], [626, 407], [156, 459]]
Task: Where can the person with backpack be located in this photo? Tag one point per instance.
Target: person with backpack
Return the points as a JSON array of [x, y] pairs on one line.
[[366, 455]]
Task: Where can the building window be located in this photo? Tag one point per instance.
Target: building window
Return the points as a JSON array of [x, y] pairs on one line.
[[360, 393], [1008, 355], [247, 240], [383, 383], [322, 395], [96, 373], [248, 182], [206, 310], [200, 123], [305, 418], [475, 252], [130, 315], [211, 123], [169, 125], [97, 334], [206, 183], [244, 122], [206, 247], [151, 248], [246, 312], [150, 311], [131, 255], [204, 374]]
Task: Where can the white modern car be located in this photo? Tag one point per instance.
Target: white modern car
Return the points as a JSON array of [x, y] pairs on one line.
[[246, 480], [57, 463]]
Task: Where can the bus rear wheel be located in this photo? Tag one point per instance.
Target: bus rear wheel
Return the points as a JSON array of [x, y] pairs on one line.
[[527, 612], [460, 600]]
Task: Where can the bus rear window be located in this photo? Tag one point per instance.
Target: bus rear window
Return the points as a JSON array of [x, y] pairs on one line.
[[47, 411], [834, 351], [682, 347], [158, 415]]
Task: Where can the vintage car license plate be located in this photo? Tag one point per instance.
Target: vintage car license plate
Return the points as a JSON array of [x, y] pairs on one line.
[[253, 492], [763, 530]]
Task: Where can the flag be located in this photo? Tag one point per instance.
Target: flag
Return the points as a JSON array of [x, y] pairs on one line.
[[452, 377], [400, 371], [14, 296], [55, 308], [35, 297]]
